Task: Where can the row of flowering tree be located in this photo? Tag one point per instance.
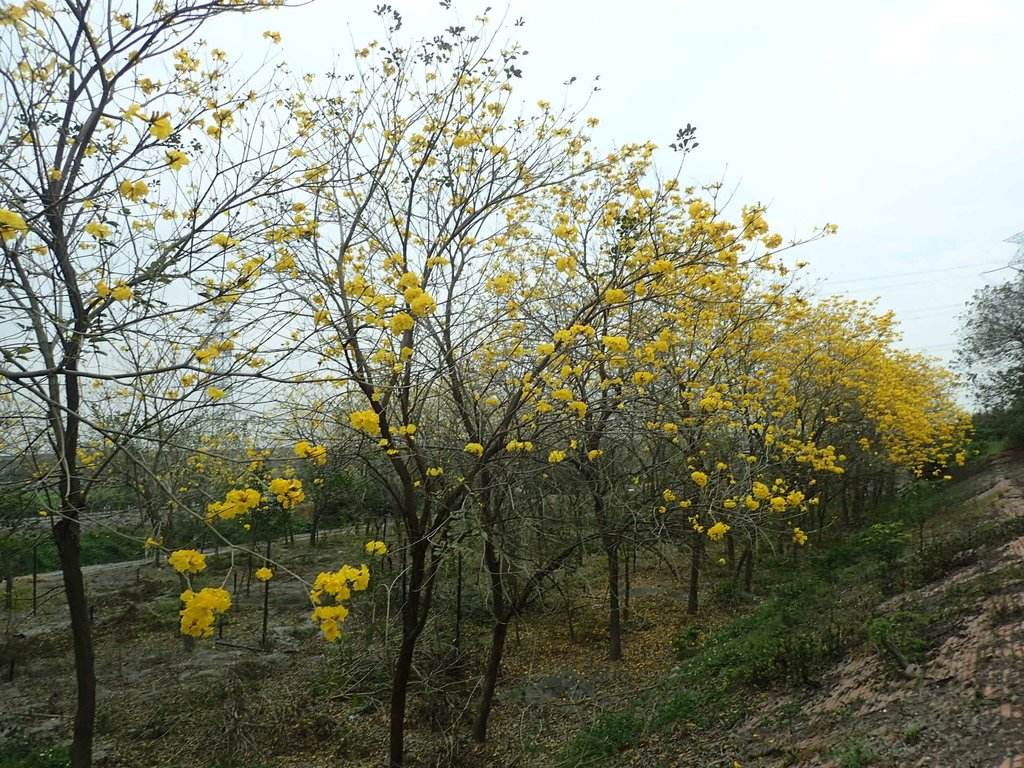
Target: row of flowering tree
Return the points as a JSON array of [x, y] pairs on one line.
[[200, 273]]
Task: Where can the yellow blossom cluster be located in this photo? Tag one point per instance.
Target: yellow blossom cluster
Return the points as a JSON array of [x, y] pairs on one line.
[[237, 502], [329, 593], [366, 421], [201, 609], [377, 548], [288, 491], [306, 450], [187, 561]]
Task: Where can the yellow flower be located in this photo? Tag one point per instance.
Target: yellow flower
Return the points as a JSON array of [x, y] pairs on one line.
[[274, 37], [187, 561], [423, 305], [717, 531], [699, 478], [223, 240], [215, 393], [556, 456], [643, 378], [54, 174], [176, 159], [760, 491], [377, 548], [134, 191], [288, 491], [435, 471], [545, 349], [475, 448], [235, 503], [615, 343], [122, 291], [799, 537], [401, 323], [201, 609], [337, 587], [11, 225], [595, 454], [317, 453], [97, 230], [160, 128], [565, 395], [264, 574], [615, 296], [134, 111], [367, 421]]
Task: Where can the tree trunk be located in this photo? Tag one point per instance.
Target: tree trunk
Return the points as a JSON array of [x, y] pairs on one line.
[[313, 525], [399, 693], [415, 605], [748, 573], [696, 553], [498, 635], [611, 549], [458, 604], [626, 588], [67, 535]]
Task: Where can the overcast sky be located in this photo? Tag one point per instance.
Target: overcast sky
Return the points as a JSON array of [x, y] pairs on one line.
[[901, 122]]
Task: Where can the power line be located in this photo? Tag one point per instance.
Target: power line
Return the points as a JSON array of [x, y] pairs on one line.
[[876, 288], [963, 267]]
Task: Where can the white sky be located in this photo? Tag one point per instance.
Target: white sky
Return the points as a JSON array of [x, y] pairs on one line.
[[899, 121]]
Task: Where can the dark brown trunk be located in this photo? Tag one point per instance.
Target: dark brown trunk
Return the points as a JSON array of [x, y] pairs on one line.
[[66, 534], [748, 573], [611, 549], [626, 588], [696, 553], [414, 611], [498, 635], [399, 693]]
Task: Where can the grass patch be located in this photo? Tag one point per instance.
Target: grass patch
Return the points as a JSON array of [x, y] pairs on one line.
[[98, 548], [608, 735], [17, 752]]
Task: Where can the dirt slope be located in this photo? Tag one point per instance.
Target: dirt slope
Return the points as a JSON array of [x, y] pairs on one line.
[[962, 706]]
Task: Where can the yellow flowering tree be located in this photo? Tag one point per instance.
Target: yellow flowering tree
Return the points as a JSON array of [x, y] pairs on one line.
[[128, 149]]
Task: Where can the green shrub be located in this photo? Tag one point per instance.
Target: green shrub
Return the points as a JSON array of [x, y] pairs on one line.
[[609, 734], [853, 754]]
